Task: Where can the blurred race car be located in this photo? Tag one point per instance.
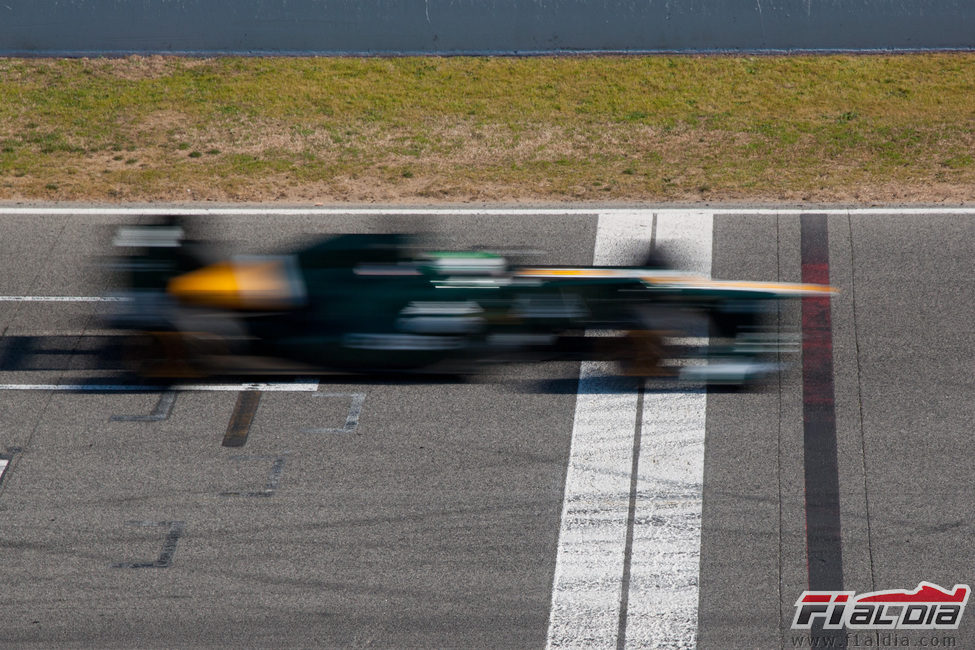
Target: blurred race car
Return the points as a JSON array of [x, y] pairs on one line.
[[376, 304]]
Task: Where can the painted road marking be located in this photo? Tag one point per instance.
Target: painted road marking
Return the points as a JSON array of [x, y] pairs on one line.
[[292, 387], [641, 532], [592, 538], [666, 556], [590, 562], [624, 620], [165, 559], [273, 478], [351, 420], [5, 460], [64, 299], [162, 410], [667, 536], [239, 426]]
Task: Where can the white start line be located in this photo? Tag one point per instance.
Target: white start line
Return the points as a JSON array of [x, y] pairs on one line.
[[629, 549]]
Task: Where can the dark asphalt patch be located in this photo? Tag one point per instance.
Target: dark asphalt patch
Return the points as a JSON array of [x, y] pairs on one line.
[[823, 537], [819, 415]]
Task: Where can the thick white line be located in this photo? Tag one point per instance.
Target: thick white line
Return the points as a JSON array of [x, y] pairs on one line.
[[664, 559], [666, 554], [592, 537], [3, 467], [295, 387]]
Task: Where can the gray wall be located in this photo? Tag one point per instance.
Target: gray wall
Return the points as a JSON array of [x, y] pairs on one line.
[[475, 26]]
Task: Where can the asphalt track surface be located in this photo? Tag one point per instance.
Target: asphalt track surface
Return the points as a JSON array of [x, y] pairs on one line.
[[434, 513]]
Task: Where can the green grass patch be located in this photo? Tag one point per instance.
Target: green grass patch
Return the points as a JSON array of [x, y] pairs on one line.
[[959, 161], [626, 128]]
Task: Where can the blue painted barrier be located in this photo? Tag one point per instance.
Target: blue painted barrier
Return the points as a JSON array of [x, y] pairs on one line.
[[97, 27]]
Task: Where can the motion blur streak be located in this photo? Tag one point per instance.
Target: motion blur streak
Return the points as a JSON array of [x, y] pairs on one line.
[[382, 303]]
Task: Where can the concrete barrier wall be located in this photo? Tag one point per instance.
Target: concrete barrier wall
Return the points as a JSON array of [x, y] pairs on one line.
[[81, 27]]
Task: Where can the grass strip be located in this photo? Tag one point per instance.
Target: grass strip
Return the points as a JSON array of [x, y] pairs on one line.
[[866, 128]]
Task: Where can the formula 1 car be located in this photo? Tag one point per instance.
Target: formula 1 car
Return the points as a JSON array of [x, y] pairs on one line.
[[373, 304]]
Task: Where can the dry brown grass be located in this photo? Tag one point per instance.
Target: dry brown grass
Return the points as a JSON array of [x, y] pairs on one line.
[[824, 129]]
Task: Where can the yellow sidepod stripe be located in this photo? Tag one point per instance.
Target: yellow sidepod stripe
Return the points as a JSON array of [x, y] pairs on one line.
[[212, 285], [781, 288], [568, 272], [676, 280], [250, 284]]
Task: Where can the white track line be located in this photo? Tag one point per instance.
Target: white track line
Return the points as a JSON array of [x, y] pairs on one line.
[[64, 299], [665, 555], [592, 537], [295, 387]]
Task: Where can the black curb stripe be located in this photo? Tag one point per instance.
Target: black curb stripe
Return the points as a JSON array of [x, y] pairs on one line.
[[823, 535], [240, 422]]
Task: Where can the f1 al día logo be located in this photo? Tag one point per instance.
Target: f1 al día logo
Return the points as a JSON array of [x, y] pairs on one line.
[[929, 607]]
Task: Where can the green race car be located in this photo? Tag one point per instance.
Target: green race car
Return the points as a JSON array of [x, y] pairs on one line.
[[371, 303]]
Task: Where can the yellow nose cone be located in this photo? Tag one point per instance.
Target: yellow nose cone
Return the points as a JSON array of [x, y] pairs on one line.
[[233, 285]]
